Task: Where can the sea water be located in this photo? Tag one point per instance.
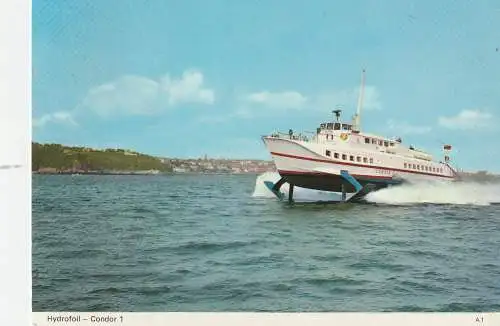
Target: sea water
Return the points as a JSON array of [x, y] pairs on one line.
[[224, 243]]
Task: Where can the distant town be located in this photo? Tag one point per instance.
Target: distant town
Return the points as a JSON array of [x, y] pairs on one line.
[[211, 165]]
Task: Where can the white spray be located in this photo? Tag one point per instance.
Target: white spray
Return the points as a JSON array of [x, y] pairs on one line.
[[459, 193]]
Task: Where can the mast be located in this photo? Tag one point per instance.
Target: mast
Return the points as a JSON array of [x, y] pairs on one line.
[[357, 117]]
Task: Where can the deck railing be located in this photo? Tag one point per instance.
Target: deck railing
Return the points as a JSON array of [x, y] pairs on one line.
[[283, 135]]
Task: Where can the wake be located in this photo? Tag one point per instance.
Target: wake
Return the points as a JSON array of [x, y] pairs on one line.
[[459, 193]]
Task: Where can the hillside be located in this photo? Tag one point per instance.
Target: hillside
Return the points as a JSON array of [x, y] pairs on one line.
[[56, 158]]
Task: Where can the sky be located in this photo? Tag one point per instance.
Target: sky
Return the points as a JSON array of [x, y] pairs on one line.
[[189, 78]]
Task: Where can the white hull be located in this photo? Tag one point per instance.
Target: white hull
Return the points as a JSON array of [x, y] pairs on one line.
[[301, 160], [339, 152]]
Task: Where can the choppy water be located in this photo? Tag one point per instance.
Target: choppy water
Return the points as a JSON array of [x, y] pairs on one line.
[[222, 243]]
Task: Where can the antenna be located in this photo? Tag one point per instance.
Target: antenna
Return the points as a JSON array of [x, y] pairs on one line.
[[357, 117], [337, 114]]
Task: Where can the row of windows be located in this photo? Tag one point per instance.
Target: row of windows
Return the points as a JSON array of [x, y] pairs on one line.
[[361, 159], [374, 141], [422, 168], [352, 158], [335, 126]]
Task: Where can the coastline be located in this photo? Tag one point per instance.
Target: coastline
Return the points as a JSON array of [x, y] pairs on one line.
[[144, 173]]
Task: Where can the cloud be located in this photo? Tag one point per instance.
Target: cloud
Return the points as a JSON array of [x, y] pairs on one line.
[[403, 128], [188, 89], [136, 95], [249, 105], [61, 117], [265, 103], [132, 95], [259, 104], [281, 100], [466, 119]]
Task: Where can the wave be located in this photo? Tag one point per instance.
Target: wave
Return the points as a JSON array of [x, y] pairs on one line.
[[458, 193]]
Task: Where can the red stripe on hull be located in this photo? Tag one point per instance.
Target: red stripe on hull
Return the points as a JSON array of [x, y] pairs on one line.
[[358, 165], [323, 173]]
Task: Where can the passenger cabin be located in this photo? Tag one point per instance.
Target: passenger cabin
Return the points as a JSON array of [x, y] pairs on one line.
[[346, 133]]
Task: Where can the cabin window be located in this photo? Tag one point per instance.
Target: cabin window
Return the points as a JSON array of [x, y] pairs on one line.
[[328, 153], [374, 141], [406, 165], [336, 126], [329, 126], [358, 158], [367, 140], [414, 167], [371, 160], [336, 155], [346, 127], [351, 158], [344, 157], [365, 160], [380, 143], [392, 144], [386, 143], [418, 167]]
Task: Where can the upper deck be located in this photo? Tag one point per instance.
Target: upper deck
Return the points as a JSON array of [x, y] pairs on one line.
[[343, 135]]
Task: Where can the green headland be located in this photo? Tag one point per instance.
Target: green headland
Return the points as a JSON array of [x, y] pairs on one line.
[[56, 158]]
